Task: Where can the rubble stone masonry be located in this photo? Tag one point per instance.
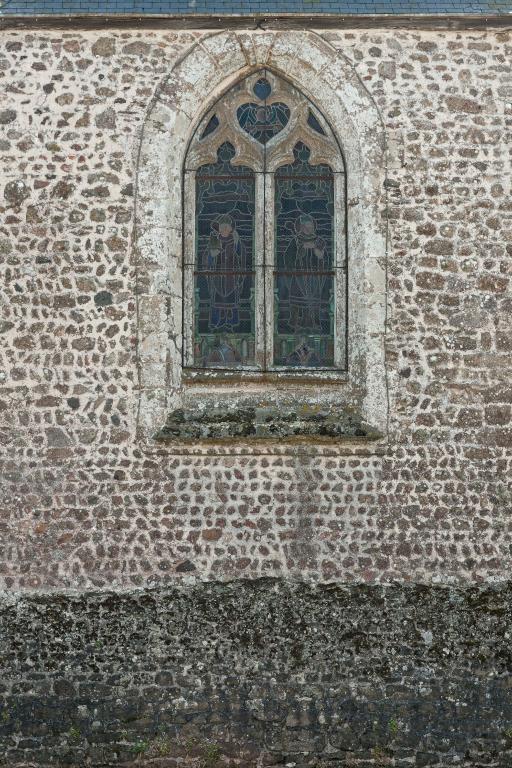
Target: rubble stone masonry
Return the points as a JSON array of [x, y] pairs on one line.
[[314, 603]]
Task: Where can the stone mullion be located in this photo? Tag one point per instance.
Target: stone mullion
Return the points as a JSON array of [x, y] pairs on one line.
[[259, 276], [269, 268], [340, 273], [189, 258]]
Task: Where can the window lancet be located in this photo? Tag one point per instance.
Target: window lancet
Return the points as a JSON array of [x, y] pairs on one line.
[[304, 284], [265, 223]]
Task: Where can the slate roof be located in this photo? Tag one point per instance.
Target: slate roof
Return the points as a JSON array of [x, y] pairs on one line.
[[251, 7]]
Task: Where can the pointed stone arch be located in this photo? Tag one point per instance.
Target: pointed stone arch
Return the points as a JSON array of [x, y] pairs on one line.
[[196, 82]]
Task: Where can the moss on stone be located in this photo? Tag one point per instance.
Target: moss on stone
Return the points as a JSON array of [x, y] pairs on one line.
[[267, 422]]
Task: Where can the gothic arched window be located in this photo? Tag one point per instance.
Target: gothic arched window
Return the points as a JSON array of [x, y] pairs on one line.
[[265, 243]]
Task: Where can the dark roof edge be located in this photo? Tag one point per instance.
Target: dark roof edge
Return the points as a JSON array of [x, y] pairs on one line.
[[441, 21]]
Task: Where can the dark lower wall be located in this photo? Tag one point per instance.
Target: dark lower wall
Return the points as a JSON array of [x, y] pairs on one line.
[[266, 670]]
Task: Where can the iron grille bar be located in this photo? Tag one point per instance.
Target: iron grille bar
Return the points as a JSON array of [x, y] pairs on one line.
[[303, 272], [222, 272], [234, 176], [312, 177]]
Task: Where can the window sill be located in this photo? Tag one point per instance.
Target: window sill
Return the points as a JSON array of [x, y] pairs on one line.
[[301, 424], [296, 377]]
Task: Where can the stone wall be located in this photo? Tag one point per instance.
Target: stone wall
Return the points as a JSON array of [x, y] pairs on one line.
[[260, 672], [86, 505]]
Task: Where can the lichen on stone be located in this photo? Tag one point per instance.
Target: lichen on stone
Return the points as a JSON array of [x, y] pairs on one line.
[[264, 421]]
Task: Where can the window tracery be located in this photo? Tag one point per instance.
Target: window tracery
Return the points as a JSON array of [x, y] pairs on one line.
[[265, 222]]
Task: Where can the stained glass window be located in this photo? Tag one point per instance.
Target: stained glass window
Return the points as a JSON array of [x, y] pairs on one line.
[[224, 274], [264, 250], [304, 276]]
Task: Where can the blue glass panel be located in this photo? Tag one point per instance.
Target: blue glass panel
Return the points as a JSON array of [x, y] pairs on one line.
[[224, 277], [304, 258], [262, 88], [314, 124], [213, 124]]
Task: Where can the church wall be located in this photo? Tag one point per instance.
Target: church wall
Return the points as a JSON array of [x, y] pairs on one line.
[[83, 506], [89, 512]]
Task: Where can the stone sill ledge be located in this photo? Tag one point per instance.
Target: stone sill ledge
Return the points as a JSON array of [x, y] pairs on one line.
[[301, 425], [298, 378], [266, 448]]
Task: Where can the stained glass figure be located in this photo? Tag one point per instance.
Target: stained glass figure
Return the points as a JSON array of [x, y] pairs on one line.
[[224, 311], [304, 275], [263, 121]]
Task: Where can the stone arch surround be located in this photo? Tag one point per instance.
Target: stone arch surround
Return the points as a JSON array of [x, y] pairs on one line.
[[199, 78]]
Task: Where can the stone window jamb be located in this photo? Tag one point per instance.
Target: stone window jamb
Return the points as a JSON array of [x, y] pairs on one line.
[[328, 79]]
